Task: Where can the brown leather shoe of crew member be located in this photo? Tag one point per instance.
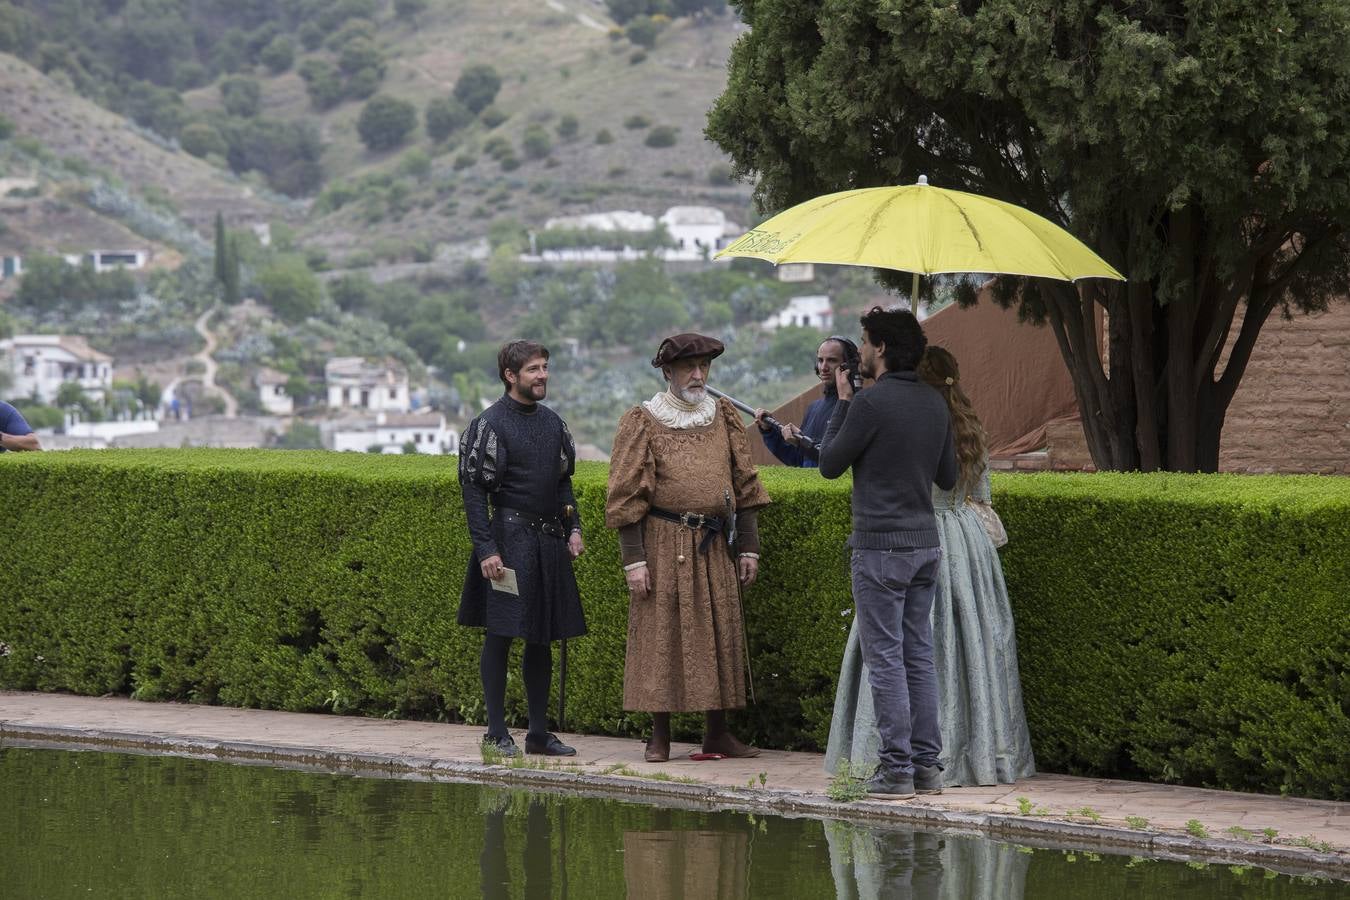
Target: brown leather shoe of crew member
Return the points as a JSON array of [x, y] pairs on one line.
[[729, 746], [657, 751]]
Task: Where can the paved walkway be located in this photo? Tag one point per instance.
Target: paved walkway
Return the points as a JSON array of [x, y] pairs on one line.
[[1281, 832]]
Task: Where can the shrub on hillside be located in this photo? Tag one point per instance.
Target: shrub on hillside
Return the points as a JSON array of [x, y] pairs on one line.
[[662, 136], [643, 31], [493, 116], [536, 142], [568, 126], [477, 87], [6, 127], [636, 122], [444, 116], [323, 83], [719, 175], [278, 55], [385, 122], [201, 140], [241, 96], [603, 136], [409, 8], [290, 288]]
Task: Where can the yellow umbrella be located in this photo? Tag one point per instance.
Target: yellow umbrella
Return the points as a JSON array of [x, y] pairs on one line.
[[925, 230]]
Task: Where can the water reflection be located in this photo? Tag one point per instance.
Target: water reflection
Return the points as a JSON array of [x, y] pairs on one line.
[[163, 827], [871, 865], [685, 865], [535, 872]]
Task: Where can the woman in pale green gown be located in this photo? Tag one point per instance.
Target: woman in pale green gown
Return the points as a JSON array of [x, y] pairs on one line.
[[984, 729]]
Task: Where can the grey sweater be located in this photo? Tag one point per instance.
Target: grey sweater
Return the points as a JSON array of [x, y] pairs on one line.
[[897, 436]]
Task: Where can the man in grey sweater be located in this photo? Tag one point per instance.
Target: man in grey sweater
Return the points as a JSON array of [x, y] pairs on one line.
[[897, 437]]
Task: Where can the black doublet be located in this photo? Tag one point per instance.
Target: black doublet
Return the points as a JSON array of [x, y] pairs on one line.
[[520, 457]]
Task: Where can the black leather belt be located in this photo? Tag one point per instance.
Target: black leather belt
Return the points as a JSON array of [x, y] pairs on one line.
[[530, 520], [713, 525]]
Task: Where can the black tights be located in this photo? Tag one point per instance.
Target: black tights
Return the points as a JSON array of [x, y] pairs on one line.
[[536, 667]]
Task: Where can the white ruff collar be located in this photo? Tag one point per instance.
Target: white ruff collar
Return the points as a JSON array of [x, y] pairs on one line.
[[673, 412]]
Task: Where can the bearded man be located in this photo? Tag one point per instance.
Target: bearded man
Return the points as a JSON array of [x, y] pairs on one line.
[[680, 479], [515, 473]]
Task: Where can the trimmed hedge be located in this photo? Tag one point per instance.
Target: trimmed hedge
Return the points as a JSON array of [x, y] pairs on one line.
[[1181, 628]]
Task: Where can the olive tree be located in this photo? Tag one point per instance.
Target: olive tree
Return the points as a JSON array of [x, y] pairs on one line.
[[1202, 149]]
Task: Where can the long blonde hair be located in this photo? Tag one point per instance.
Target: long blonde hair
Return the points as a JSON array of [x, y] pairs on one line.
[[938, 368]]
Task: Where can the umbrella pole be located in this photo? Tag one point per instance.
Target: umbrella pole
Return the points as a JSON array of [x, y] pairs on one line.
[[914, 295]]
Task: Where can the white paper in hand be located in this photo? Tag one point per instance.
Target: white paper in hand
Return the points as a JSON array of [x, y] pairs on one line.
[[507, 583]]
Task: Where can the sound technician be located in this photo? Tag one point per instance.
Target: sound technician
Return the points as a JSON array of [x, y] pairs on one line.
[[786, 442]]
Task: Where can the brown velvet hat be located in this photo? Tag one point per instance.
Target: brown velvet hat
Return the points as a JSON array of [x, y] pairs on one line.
[[685, 345]]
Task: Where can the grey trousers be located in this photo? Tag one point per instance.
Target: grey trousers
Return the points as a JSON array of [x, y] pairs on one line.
[[893, 593]]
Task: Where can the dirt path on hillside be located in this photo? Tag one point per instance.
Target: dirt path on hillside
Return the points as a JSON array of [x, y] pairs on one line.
[[208, 375]]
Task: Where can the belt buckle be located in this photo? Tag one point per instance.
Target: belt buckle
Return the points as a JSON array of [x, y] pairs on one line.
[[690, 520]]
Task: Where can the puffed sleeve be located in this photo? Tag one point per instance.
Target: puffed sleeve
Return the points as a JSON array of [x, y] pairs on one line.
[[481, 459], [482, 456], [750, 493], [632, 471], [567, 465]]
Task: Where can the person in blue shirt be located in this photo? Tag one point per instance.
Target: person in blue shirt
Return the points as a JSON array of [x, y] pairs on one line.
[[14, 431], [786, 442]]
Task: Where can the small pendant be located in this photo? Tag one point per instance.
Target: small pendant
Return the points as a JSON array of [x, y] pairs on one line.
[[680, 558]]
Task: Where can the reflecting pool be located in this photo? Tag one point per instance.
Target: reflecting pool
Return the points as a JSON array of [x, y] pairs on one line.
[[127, 826]]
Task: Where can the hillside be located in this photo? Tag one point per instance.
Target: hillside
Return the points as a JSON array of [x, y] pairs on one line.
[[68, 127]]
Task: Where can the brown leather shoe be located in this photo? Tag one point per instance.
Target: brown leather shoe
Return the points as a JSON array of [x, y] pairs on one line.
[[657, 751], [729, 746]]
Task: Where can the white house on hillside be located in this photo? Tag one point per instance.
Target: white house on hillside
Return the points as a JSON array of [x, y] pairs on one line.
[[428, 432], [40, 363], [696, 227], [811, 310], [357, 383], [614, 220], [272, 392]]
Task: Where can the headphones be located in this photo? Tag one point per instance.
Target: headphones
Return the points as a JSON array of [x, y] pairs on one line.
[[851, 357]]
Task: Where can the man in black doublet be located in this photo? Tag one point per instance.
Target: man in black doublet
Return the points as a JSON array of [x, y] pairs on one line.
[[515, 472]]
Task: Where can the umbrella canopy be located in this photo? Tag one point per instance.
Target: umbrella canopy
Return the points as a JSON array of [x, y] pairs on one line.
[[925, 230]]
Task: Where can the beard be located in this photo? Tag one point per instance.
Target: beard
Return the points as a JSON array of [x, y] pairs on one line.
[[693, 395]]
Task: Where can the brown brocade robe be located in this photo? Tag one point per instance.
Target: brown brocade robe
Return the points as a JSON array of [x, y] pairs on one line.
[[685, 640]]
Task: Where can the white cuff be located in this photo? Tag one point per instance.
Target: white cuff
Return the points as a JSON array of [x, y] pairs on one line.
[[750, 556], [637, 565]]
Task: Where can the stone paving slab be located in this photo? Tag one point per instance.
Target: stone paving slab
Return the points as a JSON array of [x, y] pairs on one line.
[[1310, 834]]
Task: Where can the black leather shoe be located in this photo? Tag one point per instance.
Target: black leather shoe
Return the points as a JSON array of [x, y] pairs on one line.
[[502, 746], [547, 745]]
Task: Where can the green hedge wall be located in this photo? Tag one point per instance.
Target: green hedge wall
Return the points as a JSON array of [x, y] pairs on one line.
[[1181, 628]]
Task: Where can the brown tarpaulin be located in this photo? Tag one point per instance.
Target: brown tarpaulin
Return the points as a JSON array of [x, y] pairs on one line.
[[1012, 372]]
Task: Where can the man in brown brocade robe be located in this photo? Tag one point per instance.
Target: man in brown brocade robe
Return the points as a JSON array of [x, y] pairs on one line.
[[681, 460]]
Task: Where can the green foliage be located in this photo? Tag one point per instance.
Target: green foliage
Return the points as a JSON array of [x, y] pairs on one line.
[[477, 87], [50, 283], [603, 136], [536, 143], [566, 238], [290, 288], [568, 126], [643, 31], [278, 55], [444, 116], [1187, 626], [662, 136], [493, 116], [386, 122], [287, 153], [1069, 109], [200, 139], [6, 127], [793, 345], [409, 8], [323, 83], [636, 122], [241, 96]]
